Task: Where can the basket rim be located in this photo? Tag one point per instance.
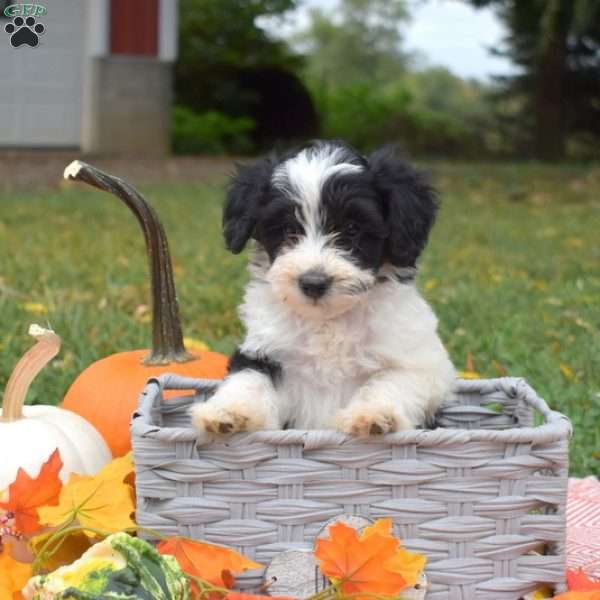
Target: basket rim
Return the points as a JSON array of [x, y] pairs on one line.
[[557, 426]]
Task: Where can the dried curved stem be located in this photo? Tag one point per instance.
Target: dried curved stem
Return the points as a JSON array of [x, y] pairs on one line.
[[26, 370], [167, 335]]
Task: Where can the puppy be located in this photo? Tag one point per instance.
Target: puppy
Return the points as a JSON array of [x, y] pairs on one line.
[[337, 332]]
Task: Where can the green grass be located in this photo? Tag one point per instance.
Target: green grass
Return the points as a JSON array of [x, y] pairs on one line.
[[513, 271]]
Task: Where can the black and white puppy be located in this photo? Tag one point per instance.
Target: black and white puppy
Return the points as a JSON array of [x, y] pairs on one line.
[[337, 333]]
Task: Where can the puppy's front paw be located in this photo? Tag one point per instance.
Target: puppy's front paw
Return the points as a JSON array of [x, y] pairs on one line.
[[217, 419], [364, 419], [244, 402]]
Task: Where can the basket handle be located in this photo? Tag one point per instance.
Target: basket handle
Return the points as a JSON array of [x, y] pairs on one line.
[[142, 420], [516, 387], [172, 381]]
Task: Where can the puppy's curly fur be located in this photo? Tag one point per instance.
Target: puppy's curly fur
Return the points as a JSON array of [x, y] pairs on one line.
[[337, 332]]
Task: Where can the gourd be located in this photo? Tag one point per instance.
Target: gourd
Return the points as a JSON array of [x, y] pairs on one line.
[[29, 434], [107, 392], [119, 567]]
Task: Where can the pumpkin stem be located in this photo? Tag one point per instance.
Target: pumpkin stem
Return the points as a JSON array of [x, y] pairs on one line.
[[167, 336], [26, 370]]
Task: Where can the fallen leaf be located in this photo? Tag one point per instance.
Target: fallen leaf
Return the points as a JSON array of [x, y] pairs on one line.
[[499, 368], [574, 242], [13, 575], [206, 561], [371, 564], [104, 501], [579, 581], [567, 372], [195, 345], [36, 308], [469, 375], [142, 313], [431, 284], [26, 494]]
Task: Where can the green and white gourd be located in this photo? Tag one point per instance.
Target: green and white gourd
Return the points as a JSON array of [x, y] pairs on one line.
[[120, 567]]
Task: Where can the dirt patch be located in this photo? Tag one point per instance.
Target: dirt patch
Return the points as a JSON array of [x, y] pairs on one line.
[[23, 170]]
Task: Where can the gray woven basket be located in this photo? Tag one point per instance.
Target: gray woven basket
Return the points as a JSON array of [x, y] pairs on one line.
[[483, 495]]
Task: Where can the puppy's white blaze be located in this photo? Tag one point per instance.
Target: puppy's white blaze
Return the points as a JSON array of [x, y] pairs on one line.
[[302, 178]]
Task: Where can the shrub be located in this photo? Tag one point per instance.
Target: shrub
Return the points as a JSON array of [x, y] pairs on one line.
[[369, 115], [210, 132]]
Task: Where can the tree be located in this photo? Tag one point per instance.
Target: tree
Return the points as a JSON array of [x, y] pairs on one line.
[[557, 45], [218, 38], [230, 65], [360, 42]]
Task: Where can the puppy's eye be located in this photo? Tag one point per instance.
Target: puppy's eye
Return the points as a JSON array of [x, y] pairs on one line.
[[352, 229]]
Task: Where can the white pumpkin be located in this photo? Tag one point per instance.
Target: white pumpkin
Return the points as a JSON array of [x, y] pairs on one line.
[[29, 434]]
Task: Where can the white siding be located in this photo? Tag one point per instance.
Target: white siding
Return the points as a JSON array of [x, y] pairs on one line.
[[41, 88], [167, 30]]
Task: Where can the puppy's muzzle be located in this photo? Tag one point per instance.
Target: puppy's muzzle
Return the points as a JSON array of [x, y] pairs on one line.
[[314, 283]]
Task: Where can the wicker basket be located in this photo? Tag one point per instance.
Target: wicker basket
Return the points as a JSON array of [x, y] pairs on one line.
[[483, 495]]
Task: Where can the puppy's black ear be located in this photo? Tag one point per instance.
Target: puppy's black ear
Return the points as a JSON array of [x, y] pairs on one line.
[[410, 204], [247, 193]]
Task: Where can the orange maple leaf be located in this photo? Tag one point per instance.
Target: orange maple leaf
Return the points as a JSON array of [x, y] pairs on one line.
[[578, 581], [359, 564], [26, 494], [407, 564], [206, 561]]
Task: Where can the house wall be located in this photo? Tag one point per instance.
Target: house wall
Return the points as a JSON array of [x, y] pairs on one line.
[[41, 88], [130, 107], [129, 92], [84, 87]]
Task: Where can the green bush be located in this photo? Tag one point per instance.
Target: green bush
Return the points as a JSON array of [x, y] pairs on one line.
[[370, 115], [210, 132]]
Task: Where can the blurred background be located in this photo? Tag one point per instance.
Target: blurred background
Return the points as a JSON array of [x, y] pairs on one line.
[[499, 99], [446, 78]]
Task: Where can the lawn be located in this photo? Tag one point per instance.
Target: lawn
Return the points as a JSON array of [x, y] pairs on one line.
[[513, 271]]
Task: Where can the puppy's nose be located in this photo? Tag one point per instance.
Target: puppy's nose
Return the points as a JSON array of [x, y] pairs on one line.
[[314, 283]]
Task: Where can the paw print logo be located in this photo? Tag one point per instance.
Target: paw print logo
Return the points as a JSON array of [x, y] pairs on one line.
[[24, 31]]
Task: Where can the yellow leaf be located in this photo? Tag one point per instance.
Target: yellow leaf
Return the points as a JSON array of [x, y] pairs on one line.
[[104, 502], [63, 551], [567, 372], [407, 564], [13, 575], [499, 368], [540, 594], [119, 468], [36, 308], [469, 375], [431, 284], [195, 345], [574, 242]]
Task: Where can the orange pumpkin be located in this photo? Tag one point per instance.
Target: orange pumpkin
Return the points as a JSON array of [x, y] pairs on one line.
[[106, 393]]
